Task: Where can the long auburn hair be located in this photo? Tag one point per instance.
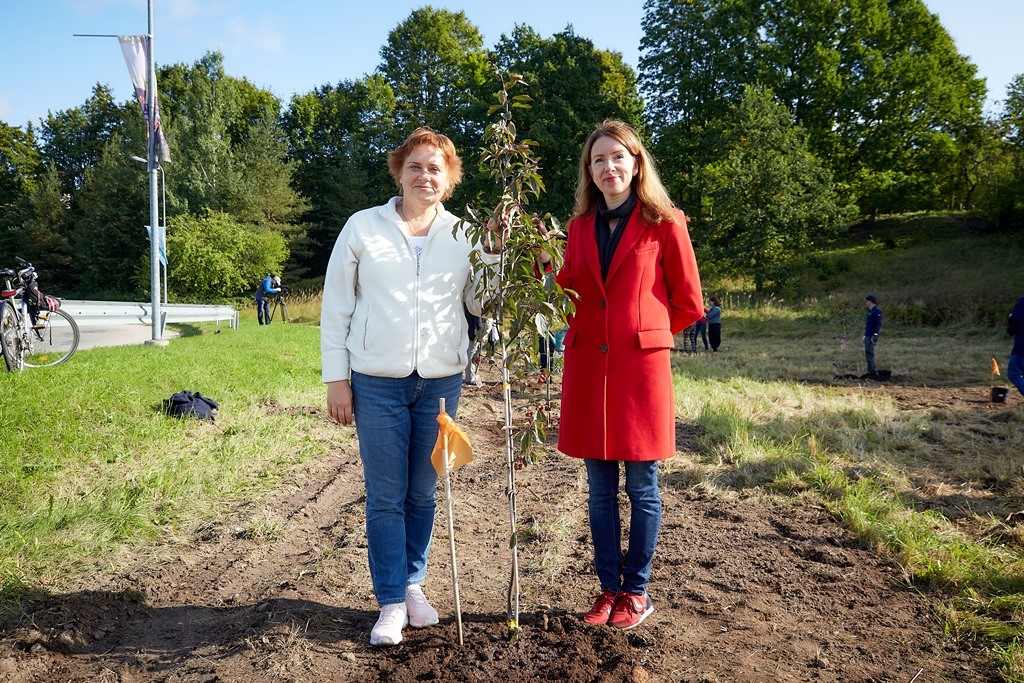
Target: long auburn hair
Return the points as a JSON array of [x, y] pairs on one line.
[[427, 137], [655, 204]]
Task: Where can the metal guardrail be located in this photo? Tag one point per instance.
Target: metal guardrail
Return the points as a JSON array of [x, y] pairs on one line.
[[128, 313]]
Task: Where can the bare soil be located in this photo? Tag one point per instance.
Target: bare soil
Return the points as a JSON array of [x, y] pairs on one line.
[[745, 589]]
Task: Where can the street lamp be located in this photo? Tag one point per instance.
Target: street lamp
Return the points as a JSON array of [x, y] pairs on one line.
[[161, 233], [152, 164]]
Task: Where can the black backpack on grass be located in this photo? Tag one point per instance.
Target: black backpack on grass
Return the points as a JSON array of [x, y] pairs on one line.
[[188, 404]]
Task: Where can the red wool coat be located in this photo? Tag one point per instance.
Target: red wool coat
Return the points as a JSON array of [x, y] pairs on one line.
[[617, 397]]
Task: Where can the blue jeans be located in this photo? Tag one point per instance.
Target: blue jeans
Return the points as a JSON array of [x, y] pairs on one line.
[[869, 353], [606, 527], [396, 423], [263, 311], [702, 332], [1015, 372]]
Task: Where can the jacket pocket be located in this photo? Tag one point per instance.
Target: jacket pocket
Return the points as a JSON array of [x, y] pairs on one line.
[[655, 339]]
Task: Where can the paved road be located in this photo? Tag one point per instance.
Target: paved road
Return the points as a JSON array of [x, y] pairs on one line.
[[118, 335]]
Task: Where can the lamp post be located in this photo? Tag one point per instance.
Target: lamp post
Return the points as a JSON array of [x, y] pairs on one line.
[[161, 235], [152, 165]]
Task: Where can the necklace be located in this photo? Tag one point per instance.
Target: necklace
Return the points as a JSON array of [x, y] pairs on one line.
[[417, 232]]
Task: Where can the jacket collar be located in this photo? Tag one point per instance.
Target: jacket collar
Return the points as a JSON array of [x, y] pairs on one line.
[[634, 228]]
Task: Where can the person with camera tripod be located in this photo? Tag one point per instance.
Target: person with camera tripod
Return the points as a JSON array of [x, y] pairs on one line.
[[265, 291]]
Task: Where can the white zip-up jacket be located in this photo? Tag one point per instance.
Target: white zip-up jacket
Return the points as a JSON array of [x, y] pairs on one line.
[[386, 315]]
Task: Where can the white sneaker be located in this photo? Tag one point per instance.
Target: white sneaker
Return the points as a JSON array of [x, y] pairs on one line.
[[388, 629], [421, 614]]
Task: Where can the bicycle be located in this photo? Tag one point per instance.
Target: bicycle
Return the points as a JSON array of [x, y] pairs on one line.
[[34, 332], [280, 300]]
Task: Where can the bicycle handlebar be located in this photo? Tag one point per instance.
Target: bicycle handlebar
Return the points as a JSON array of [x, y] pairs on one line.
[[26, 271]]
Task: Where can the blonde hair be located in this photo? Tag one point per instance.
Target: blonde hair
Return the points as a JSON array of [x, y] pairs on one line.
[[655, 204], [427, 137]]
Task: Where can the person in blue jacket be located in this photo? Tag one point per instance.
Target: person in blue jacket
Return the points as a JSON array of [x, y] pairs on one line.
[[1015, 326], [872, 328], [268, 287]]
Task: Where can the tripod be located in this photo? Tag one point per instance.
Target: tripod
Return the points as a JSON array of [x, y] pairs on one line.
[[280, 302]]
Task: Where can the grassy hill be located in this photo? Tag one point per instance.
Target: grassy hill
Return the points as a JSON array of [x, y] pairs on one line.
[[927, 269]]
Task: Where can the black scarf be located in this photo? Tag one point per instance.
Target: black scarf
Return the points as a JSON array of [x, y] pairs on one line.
[[607, 240]]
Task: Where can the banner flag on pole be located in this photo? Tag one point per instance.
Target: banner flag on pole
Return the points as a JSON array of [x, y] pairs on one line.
[[162, 234], [459, 451], [136, 55]]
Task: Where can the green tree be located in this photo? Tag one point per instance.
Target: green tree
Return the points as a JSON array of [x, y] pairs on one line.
[[338, 140], [36, 228], [438, 69], [198, 109], [230, 152], [263, 192], [217, 258], [74, 139], [109, 237], [971, 170], [768, 199], [1008, 197], [914, 116], [877, 84], [86, 153], [695, 57], [19, 164], [572, 86]]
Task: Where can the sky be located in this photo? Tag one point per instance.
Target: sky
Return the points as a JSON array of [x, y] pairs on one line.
[[294, 46]]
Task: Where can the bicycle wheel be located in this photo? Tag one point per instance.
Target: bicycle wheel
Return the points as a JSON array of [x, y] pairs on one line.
[[10, 337], [54, 342]]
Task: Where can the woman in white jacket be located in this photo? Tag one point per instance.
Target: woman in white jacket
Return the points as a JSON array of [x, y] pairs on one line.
[[393, 340]]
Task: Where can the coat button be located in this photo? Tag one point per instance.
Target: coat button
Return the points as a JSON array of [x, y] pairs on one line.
[[604, 304], [604, 348]]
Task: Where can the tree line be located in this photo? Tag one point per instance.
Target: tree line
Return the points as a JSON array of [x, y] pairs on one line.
[[776, 124]]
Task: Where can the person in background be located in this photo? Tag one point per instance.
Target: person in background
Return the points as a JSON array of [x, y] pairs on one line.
[[714, 317], [493, 336], [1015, 327], [393, 341], [472, 374], [267, 288], [690, 338], [630, 262], [702, 331], [541, 267], [872, 328]]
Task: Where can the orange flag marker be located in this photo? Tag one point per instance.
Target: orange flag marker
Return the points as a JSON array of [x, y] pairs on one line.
[[451, 450], [459, 450], [995, 367]]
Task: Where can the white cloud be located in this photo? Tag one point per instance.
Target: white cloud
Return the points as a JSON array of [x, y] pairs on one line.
[[186, 10], [263, 36]]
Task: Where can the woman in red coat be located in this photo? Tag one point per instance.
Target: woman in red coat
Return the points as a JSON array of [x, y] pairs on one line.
[[631, 265]]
